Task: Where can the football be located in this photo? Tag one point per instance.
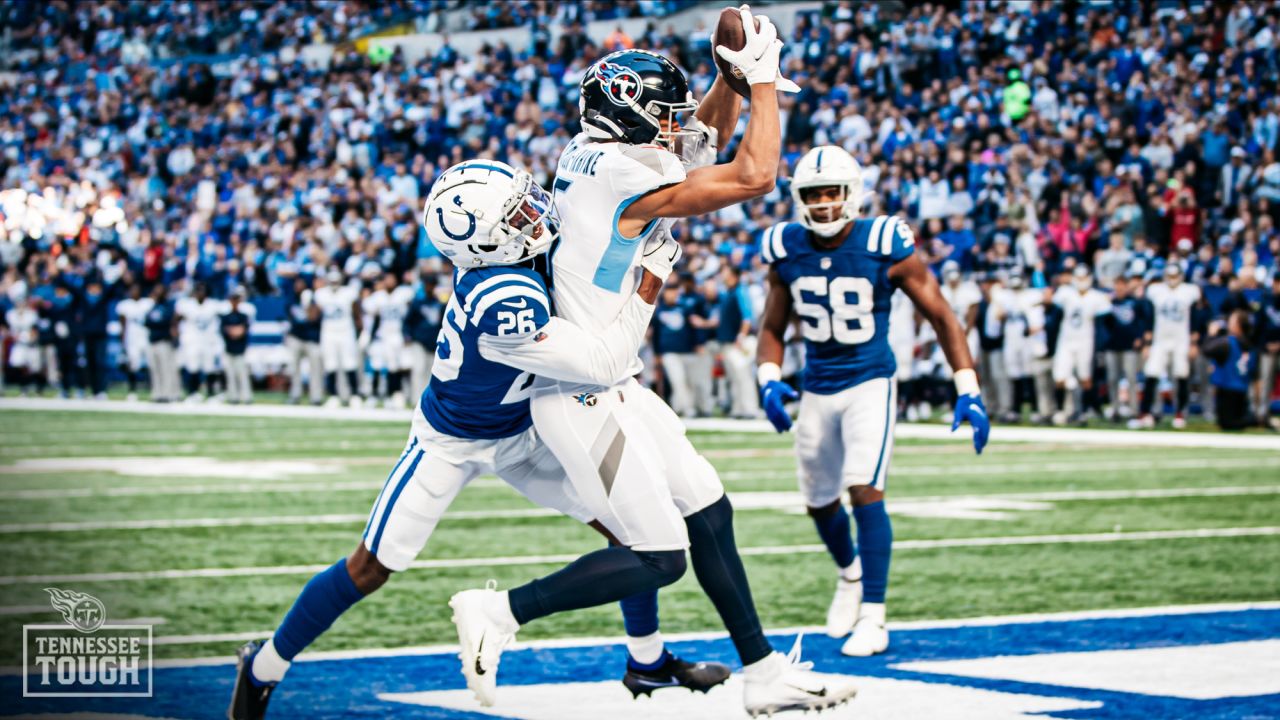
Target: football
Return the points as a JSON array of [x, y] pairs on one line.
[[730, 33]]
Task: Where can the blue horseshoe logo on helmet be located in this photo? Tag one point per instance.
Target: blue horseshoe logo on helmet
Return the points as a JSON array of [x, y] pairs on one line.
[[471, 221]]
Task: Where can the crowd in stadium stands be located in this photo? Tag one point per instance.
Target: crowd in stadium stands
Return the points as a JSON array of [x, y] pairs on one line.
[[1029, 145]]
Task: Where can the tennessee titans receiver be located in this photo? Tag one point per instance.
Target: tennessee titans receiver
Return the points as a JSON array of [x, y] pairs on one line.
[[838, 273], [495, 224], [623, 449]]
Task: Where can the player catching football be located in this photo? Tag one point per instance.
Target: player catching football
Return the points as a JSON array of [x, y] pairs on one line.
[[623, 449], [838, 273]]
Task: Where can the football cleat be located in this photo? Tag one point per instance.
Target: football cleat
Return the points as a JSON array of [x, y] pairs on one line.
[[843, 612], [675, 673], [870, 637], [1179, 422], [789, 684], [248, 698], [482, 640]]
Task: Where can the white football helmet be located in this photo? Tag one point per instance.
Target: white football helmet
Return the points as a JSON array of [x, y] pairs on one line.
[[826, 166], [484, 212]]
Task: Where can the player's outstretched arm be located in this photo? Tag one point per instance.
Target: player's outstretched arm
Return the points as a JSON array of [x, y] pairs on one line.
[[774, 394], [921, 286], [754, 169]]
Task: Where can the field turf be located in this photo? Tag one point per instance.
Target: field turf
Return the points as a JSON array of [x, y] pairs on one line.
[[209, 526]]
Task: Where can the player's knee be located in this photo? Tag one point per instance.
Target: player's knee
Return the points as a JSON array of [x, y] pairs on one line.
[[667, 566], [861, 495], [367, 573], [825, 511]]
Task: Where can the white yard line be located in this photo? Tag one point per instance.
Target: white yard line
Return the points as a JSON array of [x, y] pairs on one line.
[[748, 500], [519, 560], [267, 521], [905, 430], [212, 638]]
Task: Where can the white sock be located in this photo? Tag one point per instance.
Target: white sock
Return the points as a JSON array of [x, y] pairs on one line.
[[872, 611], [498, 607], [853, 573], [268, 666], [646, 650]]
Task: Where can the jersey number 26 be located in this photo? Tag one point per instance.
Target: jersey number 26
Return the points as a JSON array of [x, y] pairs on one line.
[[847, 322]]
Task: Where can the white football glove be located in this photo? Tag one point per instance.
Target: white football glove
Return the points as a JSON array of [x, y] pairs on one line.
[[661, 253], [758, 59]]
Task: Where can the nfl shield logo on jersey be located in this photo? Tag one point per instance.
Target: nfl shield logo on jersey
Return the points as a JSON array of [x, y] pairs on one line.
[[621, 84]]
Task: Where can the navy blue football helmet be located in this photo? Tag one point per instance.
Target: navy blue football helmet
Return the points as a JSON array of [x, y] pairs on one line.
[[627, 95]]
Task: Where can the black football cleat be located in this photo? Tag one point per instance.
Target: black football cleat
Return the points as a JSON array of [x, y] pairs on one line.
[[248, 699], [675, 673]]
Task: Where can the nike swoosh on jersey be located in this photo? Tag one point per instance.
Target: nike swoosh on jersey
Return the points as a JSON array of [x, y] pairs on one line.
[[514, 304]]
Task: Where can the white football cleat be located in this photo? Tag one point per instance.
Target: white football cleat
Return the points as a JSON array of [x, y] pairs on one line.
[[843, 612], [483, 640], [1179, 422], [869, 634], [356, 402], [781, 682]]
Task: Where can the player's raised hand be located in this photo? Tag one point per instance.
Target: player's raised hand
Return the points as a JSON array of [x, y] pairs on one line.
[[758, 59], [773, 397], [969, 408]]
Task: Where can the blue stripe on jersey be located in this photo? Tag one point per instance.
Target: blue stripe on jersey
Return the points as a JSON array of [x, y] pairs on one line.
[[408, 449], [391, 502], [889, 407], [617, 258]]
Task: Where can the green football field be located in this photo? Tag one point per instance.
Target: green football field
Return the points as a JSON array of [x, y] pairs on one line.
[[207, 527]]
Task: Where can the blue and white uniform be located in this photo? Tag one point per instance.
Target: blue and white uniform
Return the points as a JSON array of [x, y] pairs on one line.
[[843, 296], [473, 418]]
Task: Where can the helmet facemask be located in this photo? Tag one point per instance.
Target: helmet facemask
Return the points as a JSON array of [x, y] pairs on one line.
[[529, 224], [673, 121], [837, 213]]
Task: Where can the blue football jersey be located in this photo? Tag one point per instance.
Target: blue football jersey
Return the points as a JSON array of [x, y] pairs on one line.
[[842, 296], [470, 396]]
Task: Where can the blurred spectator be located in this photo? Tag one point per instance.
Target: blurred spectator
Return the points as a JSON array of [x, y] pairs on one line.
[[303, 344], [235, 336]]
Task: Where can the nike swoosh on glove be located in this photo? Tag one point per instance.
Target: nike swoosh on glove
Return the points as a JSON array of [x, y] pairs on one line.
[[969, 408], [661, 253], [773, 397], [759, 57]]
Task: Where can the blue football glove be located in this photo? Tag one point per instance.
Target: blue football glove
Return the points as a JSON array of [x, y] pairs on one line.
[[969, 408], [774, 396]]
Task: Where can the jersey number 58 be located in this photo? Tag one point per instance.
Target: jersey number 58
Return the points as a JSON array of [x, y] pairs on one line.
[[847, 322]]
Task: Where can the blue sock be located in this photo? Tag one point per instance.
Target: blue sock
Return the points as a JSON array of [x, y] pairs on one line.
[[637, 665], [324, 598], [875, 541], [640, 613], [833, 528]]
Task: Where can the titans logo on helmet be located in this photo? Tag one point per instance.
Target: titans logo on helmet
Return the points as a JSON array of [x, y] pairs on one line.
[[621, 84]]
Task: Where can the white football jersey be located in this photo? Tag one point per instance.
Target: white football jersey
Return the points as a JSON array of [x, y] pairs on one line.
[[133, 319], [392, 311], [199, 318], [595, 270], [1172, 310], [1079, 311], [335, 306]]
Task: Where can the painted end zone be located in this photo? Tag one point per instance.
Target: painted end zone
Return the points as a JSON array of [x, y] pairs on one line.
[[1183, 665]]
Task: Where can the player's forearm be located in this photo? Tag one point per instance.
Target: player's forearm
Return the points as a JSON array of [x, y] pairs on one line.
[[571, 354], [951, 337], [720, 109], [758, 156]]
